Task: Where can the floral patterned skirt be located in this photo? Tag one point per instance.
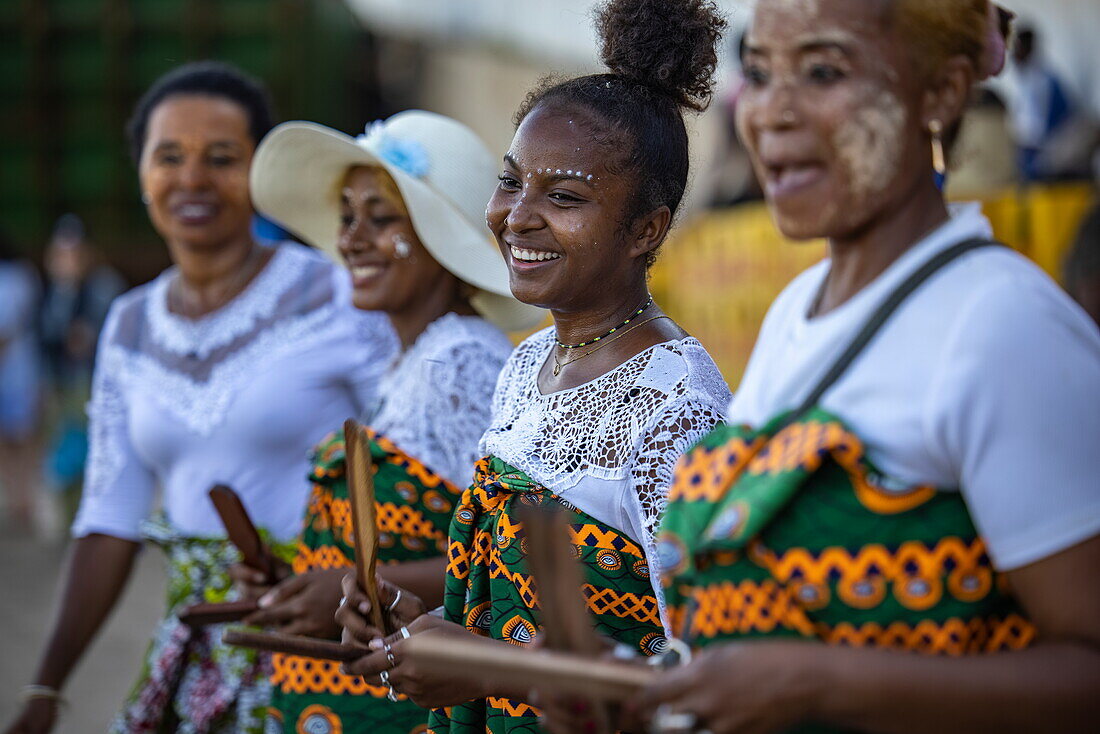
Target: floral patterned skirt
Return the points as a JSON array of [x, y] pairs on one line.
[[190, 682]]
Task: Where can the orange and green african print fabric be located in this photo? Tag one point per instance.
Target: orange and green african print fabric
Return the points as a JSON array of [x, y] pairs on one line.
[[790, 531], [490, 591], [414, 511]]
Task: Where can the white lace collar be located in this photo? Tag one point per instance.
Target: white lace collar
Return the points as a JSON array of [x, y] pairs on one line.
[[201, 337], [437, 395], [448, 329], [596, 428]]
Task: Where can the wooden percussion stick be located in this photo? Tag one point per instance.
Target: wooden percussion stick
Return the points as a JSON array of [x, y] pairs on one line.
[[309, 647], [566, 624], [547, 670], [502, 665], [241, 530], [364, 517]]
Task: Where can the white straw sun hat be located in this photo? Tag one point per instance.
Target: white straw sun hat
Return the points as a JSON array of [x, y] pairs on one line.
[[443, 170]]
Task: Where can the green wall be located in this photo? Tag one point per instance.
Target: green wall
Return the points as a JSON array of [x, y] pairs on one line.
[[71, 70]]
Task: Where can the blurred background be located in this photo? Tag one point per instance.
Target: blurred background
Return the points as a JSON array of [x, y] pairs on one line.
[[72, 219]]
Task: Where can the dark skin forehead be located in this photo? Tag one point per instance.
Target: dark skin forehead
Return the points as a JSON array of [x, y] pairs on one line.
[[198, 119], [553, 130], [559, 139]]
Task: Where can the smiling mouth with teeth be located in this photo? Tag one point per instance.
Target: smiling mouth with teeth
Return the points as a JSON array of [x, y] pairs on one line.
[[366, 271], [195, 210], [533, 255]]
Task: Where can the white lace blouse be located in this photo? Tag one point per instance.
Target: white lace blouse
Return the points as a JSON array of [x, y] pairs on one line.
[[437, 397], [237, 397], [608, 446]]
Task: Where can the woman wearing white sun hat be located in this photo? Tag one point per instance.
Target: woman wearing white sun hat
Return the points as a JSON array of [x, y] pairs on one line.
[[402, 206]]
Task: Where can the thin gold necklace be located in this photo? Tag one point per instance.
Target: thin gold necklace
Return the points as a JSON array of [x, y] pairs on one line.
[[558, 365]]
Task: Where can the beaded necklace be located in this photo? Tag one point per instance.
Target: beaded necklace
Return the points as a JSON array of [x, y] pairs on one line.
[[636, 314]]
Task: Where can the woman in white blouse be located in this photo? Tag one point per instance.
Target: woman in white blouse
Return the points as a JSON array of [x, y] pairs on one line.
[[206, 375], [402, 206], [591, 414]]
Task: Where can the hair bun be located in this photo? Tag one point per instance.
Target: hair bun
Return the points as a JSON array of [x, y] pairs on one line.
[[670, 46]]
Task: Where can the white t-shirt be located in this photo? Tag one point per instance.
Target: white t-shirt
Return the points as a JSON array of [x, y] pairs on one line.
[[238, 397], [986, 379]]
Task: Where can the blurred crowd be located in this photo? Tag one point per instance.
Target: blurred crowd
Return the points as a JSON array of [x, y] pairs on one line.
[[49, 326]]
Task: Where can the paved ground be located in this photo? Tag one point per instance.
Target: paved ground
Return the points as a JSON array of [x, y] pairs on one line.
[[29, 572]]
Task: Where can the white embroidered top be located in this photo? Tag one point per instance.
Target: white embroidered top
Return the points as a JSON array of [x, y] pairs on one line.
[[237, 397], [608, 446], [437, 396]]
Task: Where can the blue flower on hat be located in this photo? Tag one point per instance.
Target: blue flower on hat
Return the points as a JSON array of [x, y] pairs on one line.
[[407, 155]]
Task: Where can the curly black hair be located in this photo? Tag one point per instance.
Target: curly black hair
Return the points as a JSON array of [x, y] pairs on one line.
[[207, 79], [661, 56]]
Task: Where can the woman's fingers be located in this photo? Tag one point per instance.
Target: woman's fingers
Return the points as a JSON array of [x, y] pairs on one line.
[[273, 616], [354, 596], [283, 591], [357, 630], [669, 686], [368, 666], [249, 582]]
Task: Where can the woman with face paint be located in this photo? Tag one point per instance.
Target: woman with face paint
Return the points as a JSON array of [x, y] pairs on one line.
[[203, 376], [897, 529], [402, 206], [590, 414]]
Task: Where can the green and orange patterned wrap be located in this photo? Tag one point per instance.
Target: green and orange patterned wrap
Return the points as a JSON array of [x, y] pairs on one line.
[[794, 534], [489, 587], [414, 511]]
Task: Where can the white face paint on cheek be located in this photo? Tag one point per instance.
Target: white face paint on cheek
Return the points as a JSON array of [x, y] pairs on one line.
[[868, 145]]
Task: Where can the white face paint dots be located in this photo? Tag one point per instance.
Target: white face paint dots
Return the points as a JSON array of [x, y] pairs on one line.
[[550, 170]]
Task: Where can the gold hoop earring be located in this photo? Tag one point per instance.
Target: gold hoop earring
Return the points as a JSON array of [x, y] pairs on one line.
[[939, 160]]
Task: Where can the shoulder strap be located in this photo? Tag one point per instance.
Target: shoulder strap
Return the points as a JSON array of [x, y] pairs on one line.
[[880, 316]]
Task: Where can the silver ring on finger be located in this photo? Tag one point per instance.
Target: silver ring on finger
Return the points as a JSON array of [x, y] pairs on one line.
[[405, 634], [389, 654], [393, 603], [391, 693], [343, 601]]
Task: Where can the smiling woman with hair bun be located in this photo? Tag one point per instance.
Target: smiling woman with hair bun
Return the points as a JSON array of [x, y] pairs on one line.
[[591, 414]]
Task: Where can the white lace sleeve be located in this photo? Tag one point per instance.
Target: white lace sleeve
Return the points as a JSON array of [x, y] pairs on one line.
[[118, 488], [675, 430], [461, 382]]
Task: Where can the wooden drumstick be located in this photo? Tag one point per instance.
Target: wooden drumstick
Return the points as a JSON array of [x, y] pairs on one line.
[[309, 647], [242, 533], [565, 622], [501, 665], [241, 530], [547, 670], [198, 615], [364, 517]]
